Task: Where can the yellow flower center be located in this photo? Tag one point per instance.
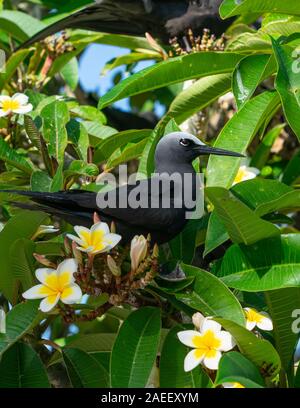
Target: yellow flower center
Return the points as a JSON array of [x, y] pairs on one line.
[[55, 285], [93, 239], [207, 344], [10, 105], [242, 173], [253, 316], [237, 385]]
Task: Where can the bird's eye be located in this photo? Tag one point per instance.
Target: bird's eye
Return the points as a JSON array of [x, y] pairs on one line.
[[185, 142]]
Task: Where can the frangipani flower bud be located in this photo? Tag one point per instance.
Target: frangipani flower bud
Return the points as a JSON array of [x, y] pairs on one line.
[[113, 267], [77, 254], [138, 251], [198, 320], [155, 251], [44, 261]]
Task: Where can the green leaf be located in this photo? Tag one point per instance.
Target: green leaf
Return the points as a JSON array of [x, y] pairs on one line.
[[83, 370], [231, 8], [288, 83], [87, 112], [128, 59], [20, 25], [262, 153], [79, 137], [281, 304], [268, 265], [259, 351], [40, 181], [241, 223], [216, 234], [70, 73], [237, 135], [131, 152], [21, 367], [258, 191], [23, 225], [58, 179], [249, 73], [80, 168], [172, 374], [135, 349], [169, 72], [199, 95], [210, 296], [184, 245], [234, 367], [109, 145], [292, 171], [21, 262], [11, 157], [56, 116], [19, 320], [11, 65], [97, 131]]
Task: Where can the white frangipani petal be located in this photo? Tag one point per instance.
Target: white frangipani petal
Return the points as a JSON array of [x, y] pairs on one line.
[[71, 294], [266, 323], [187, 337], [21, 98], [49, 303], [192, 360], [212, 360], [227, 341], [209, 324], [23, 109]]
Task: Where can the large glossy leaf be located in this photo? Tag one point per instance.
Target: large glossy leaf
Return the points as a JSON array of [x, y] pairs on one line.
[[78, 135], [241, 223], [21, 367], [106, 147], [21, 262], [259, 351], [259, 191], [234, 367], [169, 72], [19, 320], [56, 116], [216, 233], [237, 135], [232, 7], [281, 304], [184, 245], [23, 225], [249, 73], [127, 59], [288, 83], [11, 157], [70, 73], [20, 25], [11, 66], [83, 370], [172, 374], [199, 95], [210, 296], [129, 153], [267, 265], [262, 153], [292, 171], [135, 349]]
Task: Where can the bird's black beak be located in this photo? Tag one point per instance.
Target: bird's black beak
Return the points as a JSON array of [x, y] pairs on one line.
[[205, 150]]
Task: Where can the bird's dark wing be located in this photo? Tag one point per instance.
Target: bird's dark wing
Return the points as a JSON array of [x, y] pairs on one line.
[[163, 19], [77, 207], [109, 16]]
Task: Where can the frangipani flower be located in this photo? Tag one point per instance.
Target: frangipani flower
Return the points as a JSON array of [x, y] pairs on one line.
[[260, 319], [95, 240], [233, 385], [245, 173], [56, 285], [18, 103], [208, 345], [138, 251]]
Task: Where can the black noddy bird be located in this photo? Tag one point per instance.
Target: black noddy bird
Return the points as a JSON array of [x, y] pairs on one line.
[[174, 154], [163, 19]]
